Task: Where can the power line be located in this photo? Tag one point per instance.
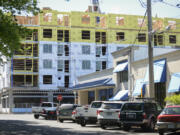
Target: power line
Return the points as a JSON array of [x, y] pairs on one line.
[[169, 4], [144, 5], [140, 27]]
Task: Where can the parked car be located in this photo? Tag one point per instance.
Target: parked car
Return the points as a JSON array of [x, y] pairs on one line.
[[78, 113], [139, 113], [64, 112], [46, 110], [88, 114], [108, 114], [169, 119]]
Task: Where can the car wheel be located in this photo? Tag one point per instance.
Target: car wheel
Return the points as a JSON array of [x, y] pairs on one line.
[[83, 123], [46, 118], [152, 125], [103, 126], [36, 116], [119, 125], [144, 127], [60, 120], [161, 132], [73, 121], [126, 127]]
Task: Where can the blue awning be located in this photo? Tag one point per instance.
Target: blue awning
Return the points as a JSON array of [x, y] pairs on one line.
[[121, 67], [174, 85], [103, 82], [159, 71], [120, 95], [139, 87]]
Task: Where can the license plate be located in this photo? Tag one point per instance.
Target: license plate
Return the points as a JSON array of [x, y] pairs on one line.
[[171, 126], [109, 113], [131, 116]]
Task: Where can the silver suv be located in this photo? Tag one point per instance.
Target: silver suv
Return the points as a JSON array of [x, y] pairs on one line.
[[107, 115], [64, 112]]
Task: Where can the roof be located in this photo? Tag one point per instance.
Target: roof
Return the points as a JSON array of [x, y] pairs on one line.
[[120, 95], [113, 102], [168, 106], [92, 84]]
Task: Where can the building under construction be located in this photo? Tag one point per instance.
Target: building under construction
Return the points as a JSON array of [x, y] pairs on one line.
[[65, 45]]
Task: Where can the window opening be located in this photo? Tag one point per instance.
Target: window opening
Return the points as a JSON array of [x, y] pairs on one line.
[[98, 65], [47, 79], [60, 35], [141, 37], [123, 76], [67, 66], [86, 64], [47, 33], [103, 65], [172, 39], [66, 80], [47, 64], [47, 48], [66, 36], [85, 34], [66, 50], [119, 36], [98, 36], [35, 50], [85, 19], [98, 51], [86, 49], [60, 65], [103, 37], [103, 50], [119, 21], [60, 50]]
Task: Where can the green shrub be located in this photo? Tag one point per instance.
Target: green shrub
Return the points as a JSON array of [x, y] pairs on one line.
[[174, 99]]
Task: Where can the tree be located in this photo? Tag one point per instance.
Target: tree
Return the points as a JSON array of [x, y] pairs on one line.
[[174, 99], [10, 31]]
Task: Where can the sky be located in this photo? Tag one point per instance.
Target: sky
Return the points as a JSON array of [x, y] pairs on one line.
[[131, 7]]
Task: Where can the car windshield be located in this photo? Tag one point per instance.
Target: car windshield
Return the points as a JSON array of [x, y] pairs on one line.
[[132, 107], [46, 105], [171, 110], [111, 105]]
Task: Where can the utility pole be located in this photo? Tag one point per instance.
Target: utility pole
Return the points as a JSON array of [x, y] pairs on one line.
[[150, 51]]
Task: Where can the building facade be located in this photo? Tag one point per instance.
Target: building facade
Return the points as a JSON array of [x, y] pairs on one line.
[[66, 45], [135, 77]]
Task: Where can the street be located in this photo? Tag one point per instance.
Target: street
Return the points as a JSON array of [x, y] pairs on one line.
[[25, 124]]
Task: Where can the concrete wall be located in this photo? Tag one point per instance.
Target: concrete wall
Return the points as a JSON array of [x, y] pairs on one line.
[[116, 77], [172, 61], [82, 97], [75, 62]]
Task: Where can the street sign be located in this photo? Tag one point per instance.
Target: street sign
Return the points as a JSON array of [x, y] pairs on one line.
[[59, 97]]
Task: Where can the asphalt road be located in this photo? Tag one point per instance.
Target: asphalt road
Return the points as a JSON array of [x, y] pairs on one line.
[[25, 124]]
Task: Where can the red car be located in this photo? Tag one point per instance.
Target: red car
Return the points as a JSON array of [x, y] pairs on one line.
[[169, 119]]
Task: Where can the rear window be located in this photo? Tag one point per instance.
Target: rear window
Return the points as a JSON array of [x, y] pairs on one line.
[[132, 107], [96, 105], [171, 110], [46, 105], [66, 106], [111, 106]]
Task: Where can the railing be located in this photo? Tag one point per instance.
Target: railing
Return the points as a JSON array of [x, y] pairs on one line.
[[25, 105]]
